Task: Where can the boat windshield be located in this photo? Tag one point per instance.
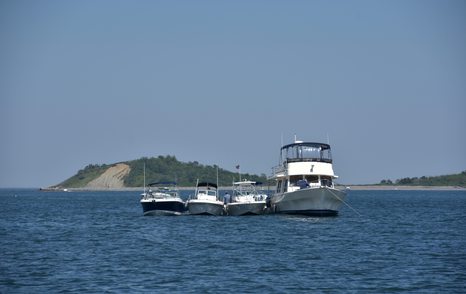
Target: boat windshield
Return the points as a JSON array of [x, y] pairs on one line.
[[244, 190], [306, 152]]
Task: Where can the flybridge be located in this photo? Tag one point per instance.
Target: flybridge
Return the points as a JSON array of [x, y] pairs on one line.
[[306, 151]]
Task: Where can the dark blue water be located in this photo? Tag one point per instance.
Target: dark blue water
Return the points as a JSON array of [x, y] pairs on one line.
[[404, 241]]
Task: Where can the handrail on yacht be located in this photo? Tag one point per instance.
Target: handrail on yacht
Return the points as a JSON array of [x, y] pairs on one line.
[[313, 159]]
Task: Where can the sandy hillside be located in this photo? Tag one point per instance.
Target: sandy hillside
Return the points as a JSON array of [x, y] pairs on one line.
[[111, 178]]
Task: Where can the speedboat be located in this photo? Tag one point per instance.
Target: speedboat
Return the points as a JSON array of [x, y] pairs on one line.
[[304, 181], [246, 199], [162, 199], [205, 200]]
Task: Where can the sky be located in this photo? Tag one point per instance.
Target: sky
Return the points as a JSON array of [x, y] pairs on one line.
[[227, 82]]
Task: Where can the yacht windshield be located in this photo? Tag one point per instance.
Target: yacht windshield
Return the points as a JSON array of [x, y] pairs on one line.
[[306, 152]]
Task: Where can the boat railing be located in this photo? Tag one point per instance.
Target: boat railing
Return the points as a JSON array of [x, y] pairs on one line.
[[282, 167], [278, 169], [309, 159], [159, 194], [304, 183], [248, 198]]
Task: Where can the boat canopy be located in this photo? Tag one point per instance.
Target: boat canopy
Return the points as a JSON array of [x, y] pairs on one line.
[[245, 182], [207, 184], [162, 184], [306, 151]]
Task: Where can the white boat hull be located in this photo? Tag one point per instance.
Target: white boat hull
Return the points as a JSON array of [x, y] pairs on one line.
[[236, 209], [203, 207], [323, 201]]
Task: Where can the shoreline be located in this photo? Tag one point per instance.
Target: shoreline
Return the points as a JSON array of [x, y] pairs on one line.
[[349, 187], [402, 188]]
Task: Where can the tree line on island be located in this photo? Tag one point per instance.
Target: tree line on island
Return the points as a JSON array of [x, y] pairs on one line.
[[444, 180], [168, 168], [162, 169]]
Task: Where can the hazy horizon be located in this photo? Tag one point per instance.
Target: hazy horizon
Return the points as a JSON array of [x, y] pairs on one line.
[[227, 82]]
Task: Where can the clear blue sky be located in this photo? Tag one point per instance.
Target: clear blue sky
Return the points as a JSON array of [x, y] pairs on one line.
[[221, 82]]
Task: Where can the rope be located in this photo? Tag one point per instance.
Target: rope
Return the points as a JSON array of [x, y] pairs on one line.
[[345, 202]]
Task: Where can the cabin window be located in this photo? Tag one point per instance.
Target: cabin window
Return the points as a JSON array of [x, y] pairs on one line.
[[326, 181], [294, 180], [312, 179]]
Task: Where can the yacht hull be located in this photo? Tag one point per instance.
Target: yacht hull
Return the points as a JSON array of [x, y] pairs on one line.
[[253, 208], [163, 207], [323, 201], [200, 207]]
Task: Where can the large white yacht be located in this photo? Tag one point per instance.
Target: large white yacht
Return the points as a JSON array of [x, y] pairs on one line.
[[304, 181]]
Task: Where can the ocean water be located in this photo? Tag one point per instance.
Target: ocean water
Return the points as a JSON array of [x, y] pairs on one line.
[[94, 242]]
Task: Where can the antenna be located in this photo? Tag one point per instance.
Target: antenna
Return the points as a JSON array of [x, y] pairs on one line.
[[328, 139], [197, 188], [144, 178]]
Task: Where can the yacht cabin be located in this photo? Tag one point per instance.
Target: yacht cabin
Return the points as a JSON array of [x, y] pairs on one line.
[[304, 165]]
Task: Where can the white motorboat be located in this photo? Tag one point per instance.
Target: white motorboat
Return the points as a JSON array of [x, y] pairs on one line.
[[205, 200], [304, 181], [246, 200], [162, 199]]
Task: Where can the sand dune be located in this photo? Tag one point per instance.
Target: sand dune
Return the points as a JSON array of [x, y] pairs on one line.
[[112, 178]]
